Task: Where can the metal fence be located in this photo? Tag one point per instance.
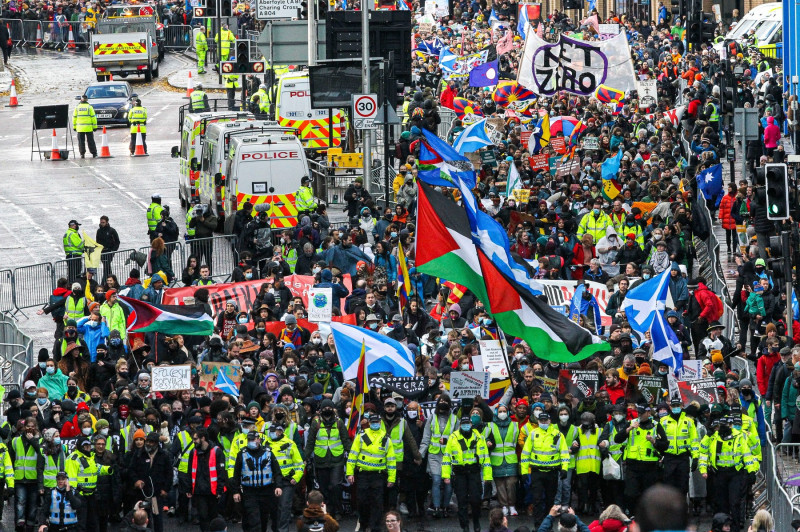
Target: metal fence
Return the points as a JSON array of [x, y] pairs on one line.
[[32, 285], [178, 37], [448, 116], [220, 253], [16, 351], [177, 257], [6, 291], [118, 263], [779, 466]]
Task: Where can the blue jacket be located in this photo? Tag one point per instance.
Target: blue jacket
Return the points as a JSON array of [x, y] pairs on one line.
[[93, 336], [152, 295], [761, 424], [679, 289], [345, 258], [338, 290], [550, 524]]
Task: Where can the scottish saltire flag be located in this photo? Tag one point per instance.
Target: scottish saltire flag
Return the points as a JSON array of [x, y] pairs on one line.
[[592, 5], [514, 181], [795, 306], [524, 20], [430, 48], [381, 352], [473, 138], [710, 181], [402, 6], [666, 346], [493, 16], [643, 303], [580, 307], [447, 60], [361, 394], [442, 166], [226, 385]]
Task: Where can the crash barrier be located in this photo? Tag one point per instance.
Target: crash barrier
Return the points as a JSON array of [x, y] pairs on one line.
[[15, 31], [177, 261], [448, 116], [220, 253], [178, 37], [6, 292], [780, 468], [16, 352]]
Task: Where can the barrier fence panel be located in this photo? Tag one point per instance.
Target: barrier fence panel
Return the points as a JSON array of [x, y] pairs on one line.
[[448, 116], [6, 291], [31, 32], [15, 30], [69, 269], [177, 259], [178, 36], [16, 351], [32, 285], [779, 465], [118, 263], [219, 253]]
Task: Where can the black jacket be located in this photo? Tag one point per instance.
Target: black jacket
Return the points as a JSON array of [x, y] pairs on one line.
[[202, 480], [108, 238], [156, 470]]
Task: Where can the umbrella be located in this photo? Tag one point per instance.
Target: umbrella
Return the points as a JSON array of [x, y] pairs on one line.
[[464, 107], [564, 125], [509, 92]]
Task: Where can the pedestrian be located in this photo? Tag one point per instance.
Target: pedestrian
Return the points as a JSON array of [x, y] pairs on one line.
[[73, 249], [137, 118], [59, 511], [208, 476], [5, 43], [231, 86], [84, 122], [107, 237], [255, 482]]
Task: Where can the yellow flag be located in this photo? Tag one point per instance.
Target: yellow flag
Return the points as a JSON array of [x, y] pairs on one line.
[[91, 251]]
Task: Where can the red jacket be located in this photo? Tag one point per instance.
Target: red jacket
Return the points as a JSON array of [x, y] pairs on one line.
[[446, 99], [578, 259], [709, 302], [725, 206], [615, 392], [763, 369]]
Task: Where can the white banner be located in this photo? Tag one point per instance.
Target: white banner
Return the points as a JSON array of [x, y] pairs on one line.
[[320, 304], [648, 92], [560, 293], [692, 370], [437, 8], [171, 378], [576, 66], [468, 384], [493, 359], [609, 29]]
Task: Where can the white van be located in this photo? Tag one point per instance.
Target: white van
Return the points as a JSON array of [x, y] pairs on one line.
[[767, 21]]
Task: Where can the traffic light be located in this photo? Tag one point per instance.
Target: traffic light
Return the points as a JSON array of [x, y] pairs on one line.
[[241, 63], [211, 8], [707, 27], [693, 33], [777, 181], [227, 8], [678, 9], [729, 101], [572, 4]]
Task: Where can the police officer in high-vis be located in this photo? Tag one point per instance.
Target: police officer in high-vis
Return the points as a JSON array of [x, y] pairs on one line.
[[371, 465], [260, 101], [465, 462], [681, 457], [201, 47], [644, 441], [137, 118], [83, 470], [59, 510], [546, 458], [255, 482], [198, 101], [304, 198], [73, 250], [231, 86], [224, 40], [154, 212], [84, 122], [326, 446], [292, 467]]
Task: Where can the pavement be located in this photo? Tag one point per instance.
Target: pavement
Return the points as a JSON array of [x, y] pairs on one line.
[[210, 80]]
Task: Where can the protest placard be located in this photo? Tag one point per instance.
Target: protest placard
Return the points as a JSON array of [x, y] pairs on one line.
[[320, 304], [494, 359], [549, 384], [409, 387], [650, 388], [579, 383], [210, 370], [559, 145], [468, 384], [538, 162], [169, 378], [692, 370], [704, 391], [591, 143], [522, 195]]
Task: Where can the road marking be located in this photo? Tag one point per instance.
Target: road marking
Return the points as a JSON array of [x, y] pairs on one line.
[[32, 223]]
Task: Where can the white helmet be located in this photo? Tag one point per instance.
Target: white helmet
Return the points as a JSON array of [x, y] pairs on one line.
[[263, 86], [199, 86]]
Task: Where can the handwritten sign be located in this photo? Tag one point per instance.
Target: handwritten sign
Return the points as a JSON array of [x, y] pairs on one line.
[[579, 383], [610, 29], [320, 304], [488, 158], [591, 143], [169, 378], [468, 384], [494, 358], [538, 162], [210, 370], [522, 195]]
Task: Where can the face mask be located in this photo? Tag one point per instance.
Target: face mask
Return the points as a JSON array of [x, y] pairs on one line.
[[373, 326], [123, 374], [676, 410], [252, 445], [248, 275], [502, 416], [646, 276], [116, 342], [656, 237], [544, 426], [618, 417], [247, 369], [536, 412], [393, 234], [466, 427], [663, 371], [375, 426], [30, 395], [91, 323], [72, 390], [465, 367], [522, 368], [561, 239], [596, 211], [42, 365], [86, 431], [42, 400], [273, 435], [316, 341], [144, 387], [475, 419], [518, 356], [563, 418], [149, 447], [487, 322], [585, 187]]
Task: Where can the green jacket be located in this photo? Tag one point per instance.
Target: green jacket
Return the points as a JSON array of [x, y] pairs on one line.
[[56, 384], [789, 400], [161, 263], [755, 305], [84, 119], [115, 318]]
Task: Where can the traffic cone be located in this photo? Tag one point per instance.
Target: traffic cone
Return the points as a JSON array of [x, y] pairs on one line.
[[55, 155], [12, 101], [39, 42], [105, 153], [71, 43], [190, 86], [139, 151]]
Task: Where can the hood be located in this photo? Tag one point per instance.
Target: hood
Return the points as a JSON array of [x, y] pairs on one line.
[[131, 281], [326, 276], [770, 120], [61, 292]]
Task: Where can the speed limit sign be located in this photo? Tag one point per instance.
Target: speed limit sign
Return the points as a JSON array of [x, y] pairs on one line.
[[365, 111]]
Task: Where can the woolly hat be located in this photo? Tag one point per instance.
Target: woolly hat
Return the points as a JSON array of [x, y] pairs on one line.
[[138, 434]]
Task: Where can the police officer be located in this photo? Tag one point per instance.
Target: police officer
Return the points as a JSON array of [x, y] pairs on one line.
[[372, 466], [83, 470], [255, 482], [711, 110], [154, 215], [400, 435], [304, 198], [59, 513], [327, 442], [201, 47], [466, 460], [613, 489], [291, 463], [438, 429], [683, 452], [84, 122], [231, 86], [729, 457], [644, 442], [198, 101], [261, 98], [224, 40], [137, 118], [545, 458], [73, 249], [182, 446]]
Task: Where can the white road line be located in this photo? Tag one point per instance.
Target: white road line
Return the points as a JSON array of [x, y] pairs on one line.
[[32, 223]]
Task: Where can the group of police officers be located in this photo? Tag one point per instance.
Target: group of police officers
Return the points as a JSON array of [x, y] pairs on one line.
[[84, 123]]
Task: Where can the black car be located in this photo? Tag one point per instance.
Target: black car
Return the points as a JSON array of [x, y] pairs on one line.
[[111, 101]]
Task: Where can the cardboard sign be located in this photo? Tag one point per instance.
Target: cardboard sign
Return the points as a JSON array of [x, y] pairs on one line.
[[210, 370], [428, 408], [522, 195], [611, 29], [591, 143], [538, 162], [704, 391], [559, 145], [549, 385], [494, 359], [566, 168], [488, 158], [320, 307], [648, 92], [425, 28], [578, 382], [552, 163], [650, 388], [171, 378], [692, 370], [468, 384], [408, 387], [525, 136]]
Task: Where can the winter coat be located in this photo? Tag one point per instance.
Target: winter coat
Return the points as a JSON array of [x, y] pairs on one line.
[[725, 211], [763, 369], [709, 302]]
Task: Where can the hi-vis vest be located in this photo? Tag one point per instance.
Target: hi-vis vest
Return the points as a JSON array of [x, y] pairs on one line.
[[328, 440], [6, 467], [73, 243], [196, 102], [465, 452], [731, 453], [256, 470], [212, 470], [588, 457], [154, 214], [74, 309], [186, 448], [24, 461], [189, 230], [61, 511], [544, 450], [372, 452], [615, 450], [505, 449], [83, 470], [138, 119], [439, 438], [52, 465], [681, 434], [638, 448], [396, 436]]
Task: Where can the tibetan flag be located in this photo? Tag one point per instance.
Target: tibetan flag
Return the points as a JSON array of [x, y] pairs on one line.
[[361, 394], [497, 388], [404, 289], [189, 320], [607, 94]]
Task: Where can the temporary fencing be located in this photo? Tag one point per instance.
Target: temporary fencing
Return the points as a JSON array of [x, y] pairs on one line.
[[219, 253], [781, 469], [15, 31], [448, 116], [177, 259], [178, 37], [6, 291], [32, 285], [118, 263], [16, 352]]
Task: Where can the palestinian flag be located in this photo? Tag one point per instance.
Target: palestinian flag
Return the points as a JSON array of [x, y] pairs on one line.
[[447, 250], [169, 319]]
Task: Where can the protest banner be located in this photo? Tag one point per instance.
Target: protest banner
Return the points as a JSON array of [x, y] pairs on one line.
[[550, 385], [608, 29], [591, 143], [244, 293], [170, 378], [650, 388], [408, 387], [692, 370], [648, 92], [538, 162], [579, 383], [494, 359], [561, 292], [704, 391], [525, 137], [488, 158], [559, 145], [320, 306], [210, 370], [468, 384], [428, 409], [522, 195]]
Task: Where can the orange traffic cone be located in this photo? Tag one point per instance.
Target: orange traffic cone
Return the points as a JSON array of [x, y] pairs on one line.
[[105, 153], [139, 151], [55, 155], [12, 101], [39, 42], [190, 86], [71, 43]]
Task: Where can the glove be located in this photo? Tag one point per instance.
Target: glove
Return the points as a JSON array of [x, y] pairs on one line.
[[9, 492], [751, 477], [562, 474], [694, 465]]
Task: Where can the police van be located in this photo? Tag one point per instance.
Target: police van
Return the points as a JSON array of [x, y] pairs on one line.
[[257, 161], [766, 20], [293, 109], [193, 128]]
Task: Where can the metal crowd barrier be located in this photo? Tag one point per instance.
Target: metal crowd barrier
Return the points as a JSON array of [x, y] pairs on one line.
[[16, 351], [178, 36], [448, 116], [117, 263], [67, 269], [220, 253], [15, 30], [6, 291], [177, 257], [779, 466], [33, 285]]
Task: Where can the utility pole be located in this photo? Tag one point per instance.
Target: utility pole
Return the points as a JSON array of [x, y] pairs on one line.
[[312, 32], [787, 272], [365, 87]]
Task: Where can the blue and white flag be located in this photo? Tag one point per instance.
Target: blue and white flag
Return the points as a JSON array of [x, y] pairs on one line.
[[447, 60], [514, 181], [710, 181], [493, 16], [642, 303], [473, 138], [524, 20], [226, 385], [433, 47], [795, 306], [579, 307], [382, 352], [442, 166], [666, 346]]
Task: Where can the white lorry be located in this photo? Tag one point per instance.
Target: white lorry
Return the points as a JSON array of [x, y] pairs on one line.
[[125, 47]]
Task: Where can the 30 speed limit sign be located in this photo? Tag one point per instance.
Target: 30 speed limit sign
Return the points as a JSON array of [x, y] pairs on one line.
[[365, 111]]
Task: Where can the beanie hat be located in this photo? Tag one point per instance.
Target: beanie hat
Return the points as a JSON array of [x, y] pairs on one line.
[[44, 356], [101, 424], [110, 293], [138, 434], [716, 356]]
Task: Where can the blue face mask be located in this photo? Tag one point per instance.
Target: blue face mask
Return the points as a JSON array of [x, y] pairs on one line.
[[522, 368], [51, 371], [252, 445], [544, 426], [57, 441], [646, 276], [676, 410], [42, 365], [116, 341], [42, 400], [595, 211], [248, 276], [487, 322], [585, 187], [393, 234], [318, 398], [466, 427], [375, 426]]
